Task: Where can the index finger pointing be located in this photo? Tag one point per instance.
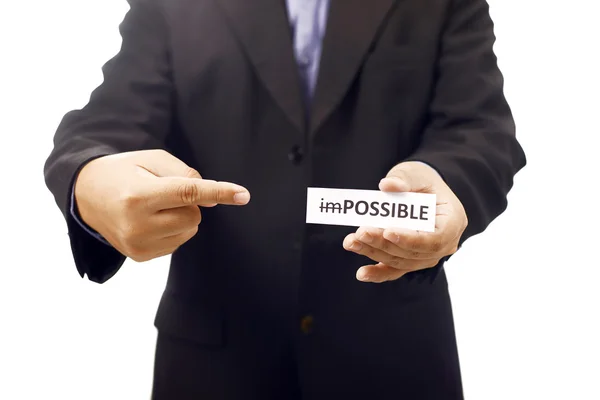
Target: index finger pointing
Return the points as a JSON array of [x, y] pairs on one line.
[[177, 192]]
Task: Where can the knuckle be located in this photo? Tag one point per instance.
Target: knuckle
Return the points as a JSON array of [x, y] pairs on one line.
[[192, 173], [160, 254], [191, 233], [129, 237], [139, 258], [436, 245], [414, 255], [188, 193], [413, 244], [395, 262], [135, 252], [219, 196], [368, 251], [385, 245], [195, 216], [131, 200], [182, 239]]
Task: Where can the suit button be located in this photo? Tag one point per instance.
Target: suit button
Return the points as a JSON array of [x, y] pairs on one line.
[[306, 324], [296, 155]]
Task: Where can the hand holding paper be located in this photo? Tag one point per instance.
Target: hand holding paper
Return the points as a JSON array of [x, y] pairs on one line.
[[397, 251]]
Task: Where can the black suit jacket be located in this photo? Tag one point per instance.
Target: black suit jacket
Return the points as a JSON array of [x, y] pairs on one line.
[[259, 302]]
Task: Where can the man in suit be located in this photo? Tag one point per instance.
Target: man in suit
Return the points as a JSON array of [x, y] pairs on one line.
[[211, 102]]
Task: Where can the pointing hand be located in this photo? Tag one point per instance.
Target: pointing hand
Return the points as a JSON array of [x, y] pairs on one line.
[[146, 203]]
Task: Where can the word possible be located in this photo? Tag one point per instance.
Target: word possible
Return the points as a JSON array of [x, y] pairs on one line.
[[376, 208]]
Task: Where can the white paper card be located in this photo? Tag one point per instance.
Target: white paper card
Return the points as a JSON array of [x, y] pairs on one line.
[[372, 208]]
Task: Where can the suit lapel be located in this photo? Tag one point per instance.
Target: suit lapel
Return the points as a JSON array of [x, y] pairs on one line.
[[351, 28], [262, 27]]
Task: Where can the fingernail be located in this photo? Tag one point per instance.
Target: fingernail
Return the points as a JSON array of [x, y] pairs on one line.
[[366, 238], [241, 198], [362, 276], [355, 246]]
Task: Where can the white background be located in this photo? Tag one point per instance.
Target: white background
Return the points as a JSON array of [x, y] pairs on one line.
[[525, 293]]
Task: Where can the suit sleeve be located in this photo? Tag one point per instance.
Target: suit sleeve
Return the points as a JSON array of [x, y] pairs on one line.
[[130, 110], [470, 138], [77, 218]]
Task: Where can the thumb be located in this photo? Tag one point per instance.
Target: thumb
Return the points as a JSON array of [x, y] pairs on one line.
[[406, 177]]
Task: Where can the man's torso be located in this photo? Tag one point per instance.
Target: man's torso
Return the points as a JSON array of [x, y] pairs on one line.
[[257, 286]]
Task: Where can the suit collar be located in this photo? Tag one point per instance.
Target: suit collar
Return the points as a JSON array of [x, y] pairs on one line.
[[263, 29], [351, 29]]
